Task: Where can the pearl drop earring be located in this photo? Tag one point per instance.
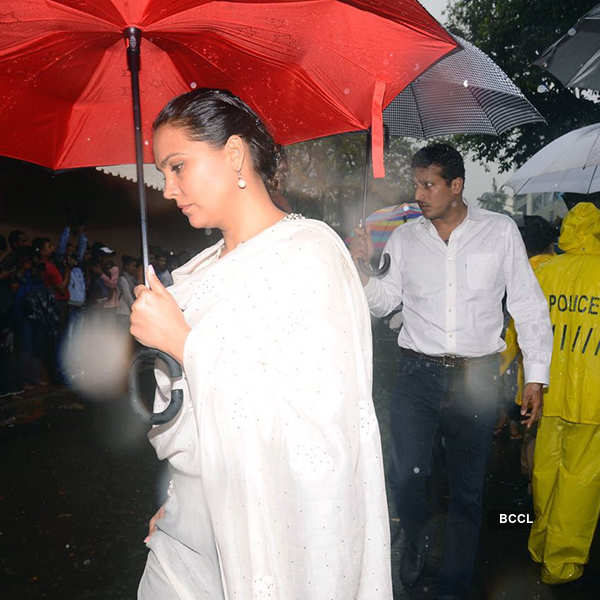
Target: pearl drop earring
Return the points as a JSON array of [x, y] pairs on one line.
[[241, 181]]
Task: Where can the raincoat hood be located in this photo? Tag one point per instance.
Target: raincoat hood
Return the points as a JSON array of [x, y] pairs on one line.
[[580, 232]]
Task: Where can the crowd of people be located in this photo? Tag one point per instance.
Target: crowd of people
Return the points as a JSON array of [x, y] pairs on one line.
[[276, 477], [47, 289]]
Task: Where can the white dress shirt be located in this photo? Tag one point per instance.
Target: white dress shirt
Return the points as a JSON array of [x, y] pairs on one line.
[[452, 293]]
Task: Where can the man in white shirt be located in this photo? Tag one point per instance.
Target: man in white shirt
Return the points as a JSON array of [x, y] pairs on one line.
[[450, 269]]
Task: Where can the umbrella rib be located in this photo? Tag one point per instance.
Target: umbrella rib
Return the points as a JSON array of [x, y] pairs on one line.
[[583, 70], [592, 179], [413, 92], [482, 109]]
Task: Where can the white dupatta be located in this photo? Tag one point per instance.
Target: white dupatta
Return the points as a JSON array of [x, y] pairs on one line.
[[276, 457]]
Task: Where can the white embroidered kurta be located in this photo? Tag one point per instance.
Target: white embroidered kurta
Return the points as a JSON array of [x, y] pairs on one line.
[[277, 489]]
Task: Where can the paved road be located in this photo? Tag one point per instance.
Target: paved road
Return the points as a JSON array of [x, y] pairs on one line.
[[79, 481]]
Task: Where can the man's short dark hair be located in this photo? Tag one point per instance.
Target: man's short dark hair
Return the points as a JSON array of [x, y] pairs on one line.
[[444, 156], [538, 234]]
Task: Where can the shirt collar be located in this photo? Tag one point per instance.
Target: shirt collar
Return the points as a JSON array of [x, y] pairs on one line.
[[474, 213]]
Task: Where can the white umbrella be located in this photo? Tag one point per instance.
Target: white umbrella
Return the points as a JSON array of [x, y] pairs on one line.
[[568, 164]]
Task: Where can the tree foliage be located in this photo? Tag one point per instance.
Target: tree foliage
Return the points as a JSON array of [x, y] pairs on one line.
[[325, 178], [513, 33], [496, 200]]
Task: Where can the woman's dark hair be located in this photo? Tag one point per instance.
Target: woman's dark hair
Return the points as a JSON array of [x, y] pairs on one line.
[[444, 156], [211, 115], [127, 260], [38, 244], [3, 245]]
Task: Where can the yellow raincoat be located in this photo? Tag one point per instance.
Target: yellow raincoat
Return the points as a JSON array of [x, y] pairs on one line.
[[510, 339], [566, 476]]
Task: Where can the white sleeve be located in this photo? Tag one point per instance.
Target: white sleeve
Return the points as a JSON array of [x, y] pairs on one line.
[[384, 294]]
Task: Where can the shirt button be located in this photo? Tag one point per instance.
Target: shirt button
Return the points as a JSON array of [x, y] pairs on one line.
[[450, 335], [450, 284], [449, 310]]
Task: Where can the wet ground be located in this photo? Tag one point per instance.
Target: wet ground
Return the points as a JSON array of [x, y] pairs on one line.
[[78, 482]]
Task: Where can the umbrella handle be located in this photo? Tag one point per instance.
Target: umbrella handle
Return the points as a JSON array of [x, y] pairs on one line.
[[370, 271], [146, 355]]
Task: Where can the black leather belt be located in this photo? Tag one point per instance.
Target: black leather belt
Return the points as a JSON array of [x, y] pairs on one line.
[[448, 360]]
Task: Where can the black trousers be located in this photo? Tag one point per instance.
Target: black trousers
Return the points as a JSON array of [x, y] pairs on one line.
[[461, 403]]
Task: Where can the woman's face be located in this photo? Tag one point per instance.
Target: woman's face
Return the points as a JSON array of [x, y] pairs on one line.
[[200, 178]]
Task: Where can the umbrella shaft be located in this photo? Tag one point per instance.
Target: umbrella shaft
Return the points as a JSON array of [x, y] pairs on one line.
[[367, 169], [133, 36]]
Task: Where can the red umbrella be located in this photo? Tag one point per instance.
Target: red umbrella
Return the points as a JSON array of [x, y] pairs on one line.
[[309, 68]]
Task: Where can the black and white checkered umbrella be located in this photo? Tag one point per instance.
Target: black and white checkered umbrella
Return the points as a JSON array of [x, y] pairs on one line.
[[465, 92]]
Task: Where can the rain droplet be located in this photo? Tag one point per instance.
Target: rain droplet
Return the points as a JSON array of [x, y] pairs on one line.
[[346, 91], [146, 143], [571, 32], [416, 470], [466, 83], [193, 85], [542, 89]]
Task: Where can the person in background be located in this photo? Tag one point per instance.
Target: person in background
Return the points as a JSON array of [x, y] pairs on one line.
[[539, 237], [30, 363], [451, 268], [162, 271], [98, 291], [10, 382], [66, 248], [56, 282], [77, 293], [110, 279], [58, 285], [126, 285], [566, 469], [16, 239], [37, 304]]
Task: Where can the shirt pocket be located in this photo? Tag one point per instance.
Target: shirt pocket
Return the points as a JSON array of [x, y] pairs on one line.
[[482, 270]]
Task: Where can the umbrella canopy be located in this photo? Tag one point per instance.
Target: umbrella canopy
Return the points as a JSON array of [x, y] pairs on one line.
[[384, 221], [308, 68], [568, 164], [465, 92], [575, 58]]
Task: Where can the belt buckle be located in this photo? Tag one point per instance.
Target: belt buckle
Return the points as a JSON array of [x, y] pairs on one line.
[[448, 360]]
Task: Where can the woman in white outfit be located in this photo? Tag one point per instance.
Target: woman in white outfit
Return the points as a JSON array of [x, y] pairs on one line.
[[277, 487]]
